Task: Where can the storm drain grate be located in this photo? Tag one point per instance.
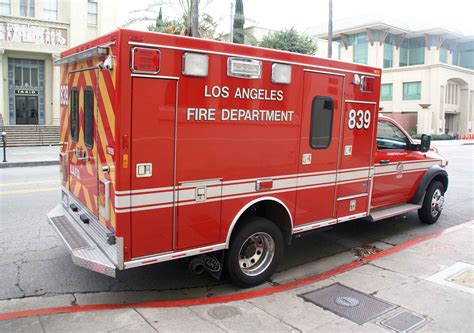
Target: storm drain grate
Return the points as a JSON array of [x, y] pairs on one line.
[[348, 303], [403, 321], [73, 239]]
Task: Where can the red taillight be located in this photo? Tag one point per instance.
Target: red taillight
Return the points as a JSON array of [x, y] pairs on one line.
[[367, 84], [145, 60]]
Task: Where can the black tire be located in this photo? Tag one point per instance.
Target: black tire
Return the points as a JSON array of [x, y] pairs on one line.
[[430, 211], [255, 233]]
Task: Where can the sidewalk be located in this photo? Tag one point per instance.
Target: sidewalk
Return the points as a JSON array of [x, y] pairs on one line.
[[30, 156], [428, 280]]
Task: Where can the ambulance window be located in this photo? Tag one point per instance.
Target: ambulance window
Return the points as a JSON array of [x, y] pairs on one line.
[[74, 114], [390, 137], [321, 122], [89, 117]]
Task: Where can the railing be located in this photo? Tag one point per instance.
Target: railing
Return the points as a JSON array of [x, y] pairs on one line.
[[39, 130], [2, 125]]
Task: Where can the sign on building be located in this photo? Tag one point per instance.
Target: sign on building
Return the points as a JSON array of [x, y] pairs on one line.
[[32, 34]]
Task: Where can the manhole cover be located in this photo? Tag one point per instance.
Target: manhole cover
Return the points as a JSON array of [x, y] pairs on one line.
[[403, 322], [348, 303]]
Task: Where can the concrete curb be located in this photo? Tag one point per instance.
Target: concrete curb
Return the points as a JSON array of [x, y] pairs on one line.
[[27, 164]]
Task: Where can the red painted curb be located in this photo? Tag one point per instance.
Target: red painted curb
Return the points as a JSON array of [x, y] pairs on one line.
[[233, 297]]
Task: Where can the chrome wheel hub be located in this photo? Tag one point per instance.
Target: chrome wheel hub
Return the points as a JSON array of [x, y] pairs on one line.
[[256, 254], [437, 203]]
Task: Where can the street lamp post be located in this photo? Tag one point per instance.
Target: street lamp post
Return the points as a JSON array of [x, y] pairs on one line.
[[4, 140], [330, 31]]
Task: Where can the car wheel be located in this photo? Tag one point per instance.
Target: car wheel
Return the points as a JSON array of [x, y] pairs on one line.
[[254, 252], [433, 203]]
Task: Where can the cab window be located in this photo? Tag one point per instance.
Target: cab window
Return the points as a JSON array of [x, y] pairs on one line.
[[74, 114], [390, 137], [322, 110], [89, 117]]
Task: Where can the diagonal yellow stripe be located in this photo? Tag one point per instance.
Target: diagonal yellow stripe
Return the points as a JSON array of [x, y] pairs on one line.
[[107, 103]]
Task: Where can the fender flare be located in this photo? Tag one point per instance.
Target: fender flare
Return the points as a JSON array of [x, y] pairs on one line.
[[430, 174], [249, 204]]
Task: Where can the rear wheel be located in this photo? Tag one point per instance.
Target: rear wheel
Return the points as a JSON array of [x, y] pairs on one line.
[[432, 203], [254, 252]]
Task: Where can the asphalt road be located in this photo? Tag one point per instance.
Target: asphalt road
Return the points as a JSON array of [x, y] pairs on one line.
[[35, 267]]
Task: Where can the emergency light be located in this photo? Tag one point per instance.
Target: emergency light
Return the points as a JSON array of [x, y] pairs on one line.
[[195, 64], [145, 60], [246, 68], [367, 84], [83, 55], [281, 73]]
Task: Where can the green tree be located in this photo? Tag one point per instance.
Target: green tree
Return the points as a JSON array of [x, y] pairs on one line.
[[182, 24], [239, 21], [289, 40]]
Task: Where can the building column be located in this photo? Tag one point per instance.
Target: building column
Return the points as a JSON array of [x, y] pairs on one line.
[[470, 109], [464, 112], [3, 102], [441, 125], [424, 119], [55, 84]]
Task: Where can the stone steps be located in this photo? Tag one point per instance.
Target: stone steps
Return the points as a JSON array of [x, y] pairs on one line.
[[32, 135]]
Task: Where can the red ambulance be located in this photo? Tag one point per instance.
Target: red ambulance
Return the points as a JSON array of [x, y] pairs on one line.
[[175, 147]]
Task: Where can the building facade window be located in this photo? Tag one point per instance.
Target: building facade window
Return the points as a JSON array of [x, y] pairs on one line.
[[27, 8], [443, 55], [466, 57], [416, 53], [360, 48], [51, 10], [387, 55], [412, 91], [403, 53], [92, 12], [386, 92], [5, 7], [412, 52], [455, 58]]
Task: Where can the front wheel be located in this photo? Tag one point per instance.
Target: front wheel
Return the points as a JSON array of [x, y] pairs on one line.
[[432, 203], [254, 252]]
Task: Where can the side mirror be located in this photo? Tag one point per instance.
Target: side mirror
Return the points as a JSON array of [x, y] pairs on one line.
[[425, 143]]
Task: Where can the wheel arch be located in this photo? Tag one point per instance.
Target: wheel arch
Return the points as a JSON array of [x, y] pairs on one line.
[[433, 173], [273, 207]]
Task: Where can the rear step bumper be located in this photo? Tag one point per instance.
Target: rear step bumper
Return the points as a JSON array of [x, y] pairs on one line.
[[84, 250], [385, 213]]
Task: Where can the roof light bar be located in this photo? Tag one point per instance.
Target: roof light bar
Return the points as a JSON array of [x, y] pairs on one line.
[[195, 64], [281, 73], [87, 54], [243, 67]]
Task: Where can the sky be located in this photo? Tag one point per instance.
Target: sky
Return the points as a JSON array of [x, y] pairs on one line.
[[311, 15]]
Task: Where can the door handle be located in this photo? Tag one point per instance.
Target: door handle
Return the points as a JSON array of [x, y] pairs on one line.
[[384, 161]]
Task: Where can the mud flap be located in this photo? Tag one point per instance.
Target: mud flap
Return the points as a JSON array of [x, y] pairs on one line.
[[213, 263]]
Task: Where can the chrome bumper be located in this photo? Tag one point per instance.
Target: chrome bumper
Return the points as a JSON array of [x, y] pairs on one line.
[[84, 250]]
